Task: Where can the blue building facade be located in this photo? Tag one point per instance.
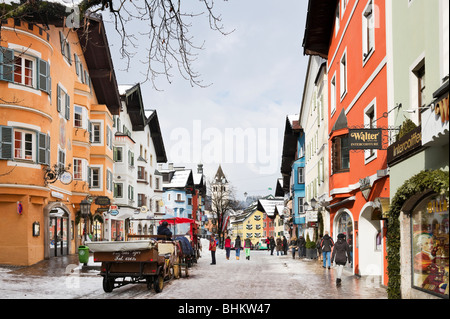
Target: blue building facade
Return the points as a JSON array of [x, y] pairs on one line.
[[298, 185]]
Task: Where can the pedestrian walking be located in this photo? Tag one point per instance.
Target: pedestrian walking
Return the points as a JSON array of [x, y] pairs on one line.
[[293, 246], [319, 248], [279, 245], [247, 247], [238, 247], [272, 245], [341, 254], [285, 245], [228, 247], [212, 248], [326, 244], [268, 243], [301, 247]]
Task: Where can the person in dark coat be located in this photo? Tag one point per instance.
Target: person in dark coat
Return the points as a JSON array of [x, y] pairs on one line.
[[341, 254], [301, 247], [272, 245], [279, 245], [319, 247], [293, 245], [285, 245], [163, 229], [326, 244], [238, 247]]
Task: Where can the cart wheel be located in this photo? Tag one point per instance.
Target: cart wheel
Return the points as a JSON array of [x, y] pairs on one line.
[[108, 284], [158, 283], [149, 281]]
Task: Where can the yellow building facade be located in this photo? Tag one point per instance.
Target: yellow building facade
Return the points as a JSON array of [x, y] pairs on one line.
[[58, 95]]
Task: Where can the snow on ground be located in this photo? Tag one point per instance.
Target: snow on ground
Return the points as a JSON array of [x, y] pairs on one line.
[[262, 277]]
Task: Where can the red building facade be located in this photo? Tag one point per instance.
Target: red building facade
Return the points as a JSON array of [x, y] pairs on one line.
[[351, 35]]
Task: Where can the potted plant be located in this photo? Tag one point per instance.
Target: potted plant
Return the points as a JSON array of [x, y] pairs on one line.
[[311, 249]]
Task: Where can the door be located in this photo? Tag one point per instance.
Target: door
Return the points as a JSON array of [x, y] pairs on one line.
[[58, 233]]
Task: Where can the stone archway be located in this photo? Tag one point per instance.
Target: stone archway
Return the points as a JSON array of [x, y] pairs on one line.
[[57, 224]]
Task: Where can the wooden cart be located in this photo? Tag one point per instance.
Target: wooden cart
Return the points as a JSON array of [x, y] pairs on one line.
[[142, 261]]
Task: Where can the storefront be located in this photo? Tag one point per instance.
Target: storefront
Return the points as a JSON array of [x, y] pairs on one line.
[[59, 230], [430, 246]]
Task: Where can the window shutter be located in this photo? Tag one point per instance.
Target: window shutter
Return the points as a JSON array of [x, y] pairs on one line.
[[89, 176], [67, 115], [42, 148], [58, 98], [6, 142], [43, 75], [6, 64], [90, 131], [115, 154], [47, 150], [77, 62], [62, 41]]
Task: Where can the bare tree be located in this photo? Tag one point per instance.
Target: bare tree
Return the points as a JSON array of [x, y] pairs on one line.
[[165, 24], [223, 202]]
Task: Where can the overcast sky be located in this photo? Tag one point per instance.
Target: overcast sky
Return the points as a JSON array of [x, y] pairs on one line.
[[257, 75]]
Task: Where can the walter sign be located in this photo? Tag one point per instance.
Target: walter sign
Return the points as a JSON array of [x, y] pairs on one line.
[[364, 139]]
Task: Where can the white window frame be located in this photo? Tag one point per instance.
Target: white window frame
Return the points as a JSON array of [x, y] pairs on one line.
[[343, 75], [25, 57], [98, 123], [333, 96], [100, 177], [368, 32], [22, 146], [371, 154]]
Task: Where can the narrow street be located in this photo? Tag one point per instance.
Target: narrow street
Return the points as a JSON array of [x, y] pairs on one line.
[[262, 277]]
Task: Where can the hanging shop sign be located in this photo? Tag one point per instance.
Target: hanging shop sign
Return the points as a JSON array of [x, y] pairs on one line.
[[102, 201], [408, 145], [364, 139], [114, 210]]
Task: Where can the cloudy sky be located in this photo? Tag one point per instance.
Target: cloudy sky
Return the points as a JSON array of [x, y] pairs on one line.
[[256, 74]]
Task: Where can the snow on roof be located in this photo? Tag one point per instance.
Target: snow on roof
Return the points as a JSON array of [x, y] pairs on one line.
[[268, 205], [124, 88], [179, 179], [197, 178]]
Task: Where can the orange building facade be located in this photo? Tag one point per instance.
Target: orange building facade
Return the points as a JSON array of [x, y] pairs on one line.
[[56, 115], [352, 37]]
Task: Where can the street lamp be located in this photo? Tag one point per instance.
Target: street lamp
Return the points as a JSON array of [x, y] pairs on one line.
[[85, 208]]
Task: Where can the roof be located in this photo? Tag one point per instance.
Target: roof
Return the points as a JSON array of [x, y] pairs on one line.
[[319, 27], [220, 176], [95, 45], [180, 179], [155, 132], [291, 133], [132, 96], [269, 205]]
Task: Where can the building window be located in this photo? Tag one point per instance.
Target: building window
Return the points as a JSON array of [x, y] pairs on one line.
[[419, 72], [61, 158], [300, 205], [118, 190], [95, 177], [333, 95], [130, 193], [77, 169], [24, 70], [337, 18], [370, 123], [118, 154], [23, 145], [63, 102], [300, 175], [430, 239], [96, 133], [368, 31], [65, 47], [343, 74], [340, 154], [142, 200]]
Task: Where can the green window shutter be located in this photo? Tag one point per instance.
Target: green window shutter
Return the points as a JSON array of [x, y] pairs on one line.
[[58, 98], [43, 75], [41, 148], [6, 64], [6, 142], [77, 62], [89, 176], [67, 115], [47, 150]]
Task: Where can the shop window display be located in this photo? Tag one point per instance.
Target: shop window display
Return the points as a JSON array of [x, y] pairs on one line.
[[430, 246]]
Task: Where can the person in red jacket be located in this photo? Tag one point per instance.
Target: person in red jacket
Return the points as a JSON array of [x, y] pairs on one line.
[[228, 246], [212, 248]]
